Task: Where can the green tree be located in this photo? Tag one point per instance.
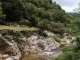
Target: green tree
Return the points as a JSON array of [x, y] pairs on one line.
[[2, 16], [44, 25], [36, 12], [73, 52], [13, 9], [75, 23]]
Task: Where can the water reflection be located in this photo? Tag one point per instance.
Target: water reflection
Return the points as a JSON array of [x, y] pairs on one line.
[[33, 57]]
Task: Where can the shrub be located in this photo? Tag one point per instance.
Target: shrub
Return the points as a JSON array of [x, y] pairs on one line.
[[18, 35], [4, 33], [68, 48], [26, 34], [69, 37], [44, 25], [58, 28], [56, 38]]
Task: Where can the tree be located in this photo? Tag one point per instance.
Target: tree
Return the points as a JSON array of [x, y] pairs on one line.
[[2, 16], [77, 10], [72, 52], [44, 25], [36, 12], [13, 9], [75, 23]]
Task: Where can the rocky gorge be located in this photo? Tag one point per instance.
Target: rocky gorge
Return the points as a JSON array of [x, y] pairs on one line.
[[15, 46]]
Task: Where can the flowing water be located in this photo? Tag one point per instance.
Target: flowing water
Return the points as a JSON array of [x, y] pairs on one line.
[[45, 55]]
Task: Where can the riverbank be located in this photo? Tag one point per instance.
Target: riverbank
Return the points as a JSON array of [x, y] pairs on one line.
[[16, 44]]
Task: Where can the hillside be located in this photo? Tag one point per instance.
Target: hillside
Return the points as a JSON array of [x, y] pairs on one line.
[[46, 15], [35, 30]]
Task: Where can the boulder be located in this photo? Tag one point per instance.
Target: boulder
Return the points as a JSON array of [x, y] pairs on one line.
[[45, 44], [9, 58], [24, 22], [5, 56]]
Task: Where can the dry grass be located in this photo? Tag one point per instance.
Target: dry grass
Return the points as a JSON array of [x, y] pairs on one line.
[[17, 28]]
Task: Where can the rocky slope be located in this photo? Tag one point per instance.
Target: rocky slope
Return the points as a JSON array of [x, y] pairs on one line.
[[12, 48]]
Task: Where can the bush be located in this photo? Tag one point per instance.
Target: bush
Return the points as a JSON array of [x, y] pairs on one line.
[[4, 33], [69, 53], [66, 56], [44, 25], [26, 34], [56, 38], [69, 37], [58, 28], [68, 48], [18, 35]]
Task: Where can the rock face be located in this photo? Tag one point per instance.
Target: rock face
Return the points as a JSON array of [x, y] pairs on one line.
[[48, 33], [44, 44], [12, 48], [8, 46]]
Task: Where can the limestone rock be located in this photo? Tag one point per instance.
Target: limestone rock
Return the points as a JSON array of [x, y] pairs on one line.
[[45, 44], [5, 56], [9, 58], [48, 33]]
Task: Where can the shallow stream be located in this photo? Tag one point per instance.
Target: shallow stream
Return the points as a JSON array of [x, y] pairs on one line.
[[44, 55]]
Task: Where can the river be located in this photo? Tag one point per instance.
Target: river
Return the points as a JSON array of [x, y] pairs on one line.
[[44, 55]]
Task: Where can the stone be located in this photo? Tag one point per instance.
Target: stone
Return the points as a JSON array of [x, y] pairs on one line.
[[45, 44], [5, 56], [0, 56], [15, 57], [9, 58], [1, 59], [48, 33]]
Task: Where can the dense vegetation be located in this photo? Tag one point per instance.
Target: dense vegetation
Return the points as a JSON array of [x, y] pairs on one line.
[[73, 52], [44, 14]]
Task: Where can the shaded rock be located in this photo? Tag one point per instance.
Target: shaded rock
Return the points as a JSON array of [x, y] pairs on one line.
[[1, 59], [8, 45], [0, 56]]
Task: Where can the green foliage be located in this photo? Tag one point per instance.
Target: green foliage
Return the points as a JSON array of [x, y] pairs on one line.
[[25, 34], [75, 29], [67, 56], [69, 37], [43, 34], [4, 33], [75, 23], [2, 16], [70, 52], [44, 25], [13, 9], [40, 13], [68, 49], [56, 38], [18, 35], [77, 41], [77, 10], [58, 28]]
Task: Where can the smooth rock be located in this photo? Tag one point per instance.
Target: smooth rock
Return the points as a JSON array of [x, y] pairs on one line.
[[9, 58], [5, 56]]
